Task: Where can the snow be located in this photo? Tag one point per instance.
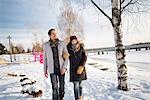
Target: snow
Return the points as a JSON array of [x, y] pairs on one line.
[[26, 81], [26, 88], [100, 85], [35, 88], [21, 58]]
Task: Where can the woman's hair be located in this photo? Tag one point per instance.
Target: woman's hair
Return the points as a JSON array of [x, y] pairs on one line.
[[49, 32], [71, 38]]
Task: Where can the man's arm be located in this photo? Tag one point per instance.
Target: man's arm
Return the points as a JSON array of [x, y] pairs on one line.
[[65, 56], [45, 60]]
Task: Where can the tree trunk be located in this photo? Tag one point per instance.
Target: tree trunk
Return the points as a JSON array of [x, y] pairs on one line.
[[119, 48]]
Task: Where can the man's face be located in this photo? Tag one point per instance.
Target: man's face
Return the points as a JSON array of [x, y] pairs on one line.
[[53, 35]]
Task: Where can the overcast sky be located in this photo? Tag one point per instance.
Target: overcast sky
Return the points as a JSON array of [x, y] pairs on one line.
[[22, 19]]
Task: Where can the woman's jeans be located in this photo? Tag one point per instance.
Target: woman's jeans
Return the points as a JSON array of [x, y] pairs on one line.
[[77, 89], [58, 93]]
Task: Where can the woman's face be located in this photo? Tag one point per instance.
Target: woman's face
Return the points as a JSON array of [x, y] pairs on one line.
[[74, 41]]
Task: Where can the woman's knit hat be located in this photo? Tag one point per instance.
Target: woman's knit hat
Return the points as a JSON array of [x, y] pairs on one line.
[[73, 37]]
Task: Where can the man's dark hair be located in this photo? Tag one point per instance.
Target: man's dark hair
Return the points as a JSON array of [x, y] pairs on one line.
[[49, 32]]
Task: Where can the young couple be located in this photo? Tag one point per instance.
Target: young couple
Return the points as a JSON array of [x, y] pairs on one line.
[[56, 58]]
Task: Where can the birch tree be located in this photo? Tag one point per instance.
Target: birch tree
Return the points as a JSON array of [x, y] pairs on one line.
[[118, 7]]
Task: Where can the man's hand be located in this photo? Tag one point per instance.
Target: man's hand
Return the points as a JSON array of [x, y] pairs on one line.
[[62, 71], [46, 74]]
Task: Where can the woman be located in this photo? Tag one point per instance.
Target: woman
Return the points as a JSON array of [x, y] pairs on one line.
[[77, 65]]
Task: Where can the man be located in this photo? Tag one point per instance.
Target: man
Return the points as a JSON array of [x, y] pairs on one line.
[[56, 60]]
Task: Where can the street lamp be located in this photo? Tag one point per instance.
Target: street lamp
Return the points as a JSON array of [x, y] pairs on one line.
[[14, 51], [10, 51]]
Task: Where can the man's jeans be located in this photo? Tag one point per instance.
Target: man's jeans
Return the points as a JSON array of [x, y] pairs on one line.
[[58, 94], [77, 89]]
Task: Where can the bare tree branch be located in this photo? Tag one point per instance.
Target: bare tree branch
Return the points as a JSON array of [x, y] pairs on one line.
[[102, 11], [137, 6], [129, 3], [126, 5], [122, 1], [70, 22]]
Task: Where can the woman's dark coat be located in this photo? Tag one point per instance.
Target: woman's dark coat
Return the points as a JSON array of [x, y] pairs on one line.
[[77, 58]]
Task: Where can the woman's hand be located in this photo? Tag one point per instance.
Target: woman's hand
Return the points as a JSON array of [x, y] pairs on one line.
[[80, 70]]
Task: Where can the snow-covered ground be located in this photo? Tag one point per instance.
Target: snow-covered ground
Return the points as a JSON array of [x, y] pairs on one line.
[[21, 58], [100, 85]]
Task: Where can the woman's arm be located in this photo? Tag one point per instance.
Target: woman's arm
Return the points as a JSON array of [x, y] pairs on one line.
[[84, 57]]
